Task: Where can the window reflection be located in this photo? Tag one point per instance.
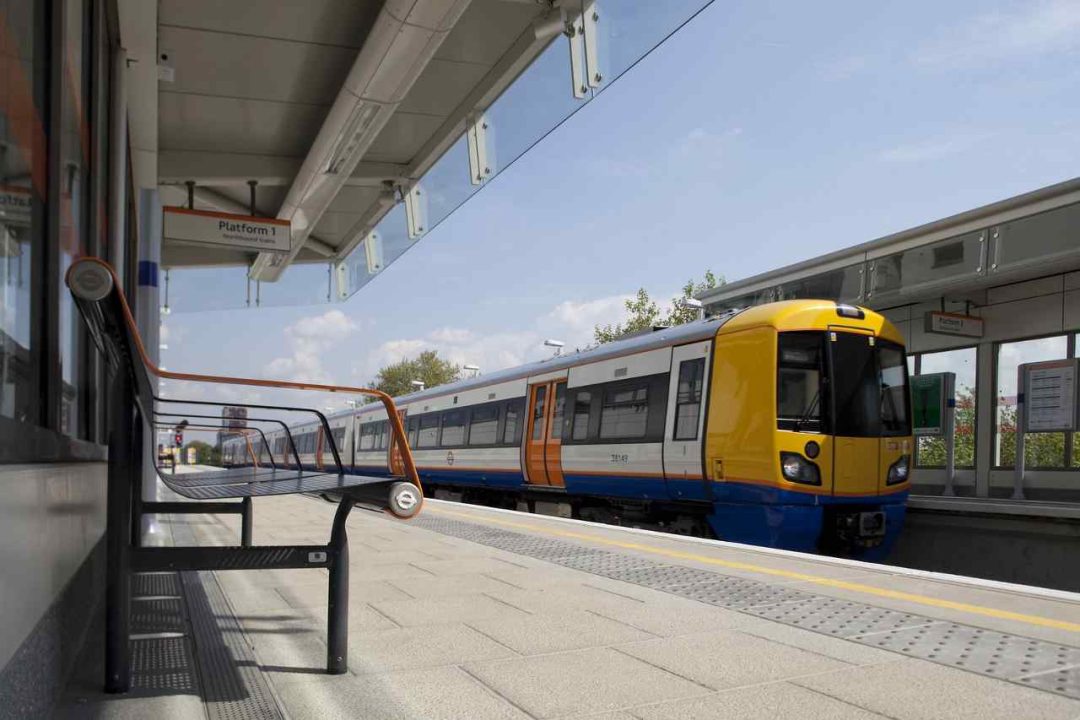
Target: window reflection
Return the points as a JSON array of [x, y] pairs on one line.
[[930, 451], [1041, 450], [22, 191]]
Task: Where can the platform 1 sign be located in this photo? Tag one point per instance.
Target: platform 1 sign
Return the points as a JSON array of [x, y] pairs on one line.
[[1050, 395], [945, 323], [217, 228], [931, 397]]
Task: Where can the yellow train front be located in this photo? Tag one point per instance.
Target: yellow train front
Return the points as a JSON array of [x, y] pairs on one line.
[[808, 441]]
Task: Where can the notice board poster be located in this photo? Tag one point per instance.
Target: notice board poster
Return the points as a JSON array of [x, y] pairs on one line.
[[1049, 396], [930, 396]]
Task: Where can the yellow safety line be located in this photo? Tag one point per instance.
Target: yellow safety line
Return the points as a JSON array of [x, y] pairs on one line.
[[789, 574]]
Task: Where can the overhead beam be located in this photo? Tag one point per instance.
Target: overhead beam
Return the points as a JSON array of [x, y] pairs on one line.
[[176, 167], [392, 58], [525, 49]]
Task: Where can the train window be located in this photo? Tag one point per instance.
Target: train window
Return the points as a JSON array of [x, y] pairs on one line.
[[453, 428], [799, 399], [384, 430], [582, 406], [338, 434], [892, 366], [367, 436], [538, 413], [512, 426], [688, 398], [624, 413], [483, 425], [428, 435], [560, 409], [414, 427]]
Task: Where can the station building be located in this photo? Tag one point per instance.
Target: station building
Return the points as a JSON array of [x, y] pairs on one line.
[[1006, 278]]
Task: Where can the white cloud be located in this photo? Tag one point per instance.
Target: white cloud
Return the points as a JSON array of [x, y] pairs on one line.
[[570, 321], [1039, 27], [932, 149], [308, 338]]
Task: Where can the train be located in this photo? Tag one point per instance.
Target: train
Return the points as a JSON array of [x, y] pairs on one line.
[[785, 425]]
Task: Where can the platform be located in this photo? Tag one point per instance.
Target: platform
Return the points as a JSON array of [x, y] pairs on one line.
[[469, 612]]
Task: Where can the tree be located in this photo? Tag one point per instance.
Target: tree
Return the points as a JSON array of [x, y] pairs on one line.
[[1041, 450], [205, 453], [396, 379], [645, 313]]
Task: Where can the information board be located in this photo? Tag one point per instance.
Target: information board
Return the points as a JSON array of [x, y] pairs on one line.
[[1050, 401], [931, 396]]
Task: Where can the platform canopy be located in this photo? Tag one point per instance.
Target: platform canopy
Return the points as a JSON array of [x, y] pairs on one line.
[[359, 124]]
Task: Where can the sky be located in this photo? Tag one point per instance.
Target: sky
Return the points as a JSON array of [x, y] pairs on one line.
[[760, 134]]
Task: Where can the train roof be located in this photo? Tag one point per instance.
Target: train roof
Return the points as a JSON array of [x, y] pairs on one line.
[[677, 335]]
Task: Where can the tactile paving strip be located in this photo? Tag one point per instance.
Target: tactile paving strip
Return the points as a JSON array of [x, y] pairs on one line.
[[231, 682], [1033, 663]]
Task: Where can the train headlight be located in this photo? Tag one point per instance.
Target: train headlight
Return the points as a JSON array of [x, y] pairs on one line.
[[898, 471], [796, 468]]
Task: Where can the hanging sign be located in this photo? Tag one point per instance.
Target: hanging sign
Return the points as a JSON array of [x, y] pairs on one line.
[[953, 324], [1050, 395], [218, 228], [15, 205]]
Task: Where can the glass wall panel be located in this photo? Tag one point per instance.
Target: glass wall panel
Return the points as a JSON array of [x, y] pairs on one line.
[[1041, 450], [844, 284], [930, 451], [74, 200], [1037, 239], [948, 260], [23, 190]]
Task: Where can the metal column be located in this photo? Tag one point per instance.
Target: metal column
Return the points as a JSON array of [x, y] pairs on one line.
[[337, 620], [118, 538]]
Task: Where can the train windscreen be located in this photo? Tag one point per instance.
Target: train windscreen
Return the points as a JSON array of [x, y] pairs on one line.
[[849, 384]]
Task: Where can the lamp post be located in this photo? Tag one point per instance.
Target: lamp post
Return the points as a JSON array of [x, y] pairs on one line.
[[557, 344]]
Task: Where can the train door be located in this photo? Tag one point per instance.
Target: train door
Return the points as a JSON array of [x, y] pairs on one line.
[[397, 463], [856, 413], [543, 433], [684, 426]]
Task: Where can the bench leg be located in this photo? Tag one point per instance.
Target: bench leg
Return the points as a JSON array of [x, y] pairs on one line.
[[117, 543], [245, 522], [337, 620]]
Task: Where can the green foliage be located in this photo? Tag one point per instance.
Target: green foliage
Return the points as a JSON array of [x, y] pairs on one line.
[[205, 453], [1041, 450], [644, 313], [428, 367]]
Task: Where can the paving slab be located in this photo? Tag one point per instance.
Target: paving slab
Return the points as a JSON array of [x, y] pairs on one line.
[[447, 693], [763, 702], [582, 681], [917, 690], [450, 609], [418, 647], [535, 634], [729, 658]]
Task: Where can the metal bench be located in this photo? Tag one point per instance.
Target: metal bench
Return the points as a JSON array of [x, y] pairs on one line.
[[134, 405]]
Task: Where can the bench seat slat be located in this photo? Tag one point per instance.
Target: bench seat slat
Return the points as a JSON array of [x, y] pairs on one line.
[[288, 484]]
